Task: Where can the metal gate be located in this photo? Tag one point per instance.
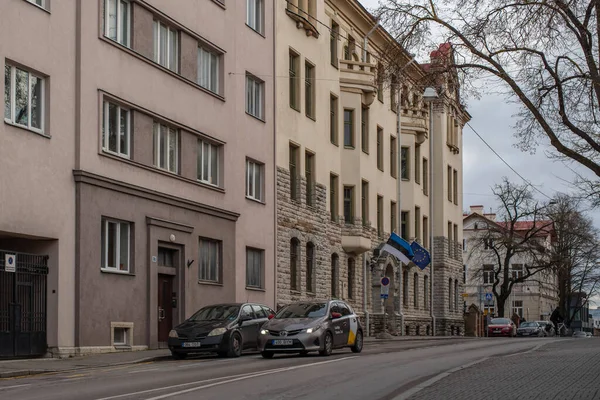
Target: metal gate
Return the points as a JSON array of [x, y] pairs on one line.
[[23, 281]]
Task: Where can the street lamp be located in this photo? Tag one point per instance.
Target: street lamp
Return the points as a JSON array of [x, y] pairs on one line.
[[429, 96]]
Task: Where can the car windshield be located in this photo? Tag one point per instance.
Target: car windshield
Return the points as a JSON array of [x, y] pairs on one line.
[[303, 310], [500, 321], [528, 324], [216, 313]]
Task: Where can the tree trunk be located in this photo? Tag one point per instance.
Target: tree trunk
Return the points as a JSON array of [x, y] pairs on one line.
[[500, 311]]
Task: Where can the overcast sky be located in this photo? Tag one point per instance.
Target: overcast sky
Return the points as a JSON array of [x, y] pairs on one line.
[[492, 118]]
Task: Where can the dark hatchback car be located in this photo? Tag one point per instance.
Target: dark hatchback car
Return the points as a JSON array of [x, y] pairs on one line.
[[225, 329]]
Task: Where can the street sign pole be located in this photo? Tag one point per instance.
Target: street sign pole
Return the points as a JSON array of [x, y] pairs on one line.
[[385, 290]]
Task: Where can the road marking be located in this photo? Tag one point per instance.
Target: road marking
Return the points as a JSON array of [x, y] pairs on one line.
[[223, 380], [76, 376], [143, 370], [14, 386]]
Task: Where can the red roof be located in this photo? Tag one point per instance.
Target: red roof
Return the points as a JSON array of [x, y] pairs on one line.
[[544, 226]]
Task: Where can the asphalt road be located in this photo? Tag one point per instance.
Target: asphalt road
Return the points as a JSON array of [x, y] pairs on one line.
[[383, 371]]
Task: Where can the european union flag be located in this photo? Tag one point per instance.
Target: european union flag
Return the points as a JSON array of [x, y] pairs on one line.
[[422, 257]]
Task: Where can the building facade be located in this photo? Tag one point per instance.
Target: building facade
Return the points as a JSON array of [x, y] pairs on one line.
[[153, 123], [338, 160], [535, 299]]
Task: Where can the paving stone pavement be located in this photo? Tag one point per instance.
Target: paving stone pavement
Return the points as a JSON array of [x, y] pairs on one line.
[[567, 369]]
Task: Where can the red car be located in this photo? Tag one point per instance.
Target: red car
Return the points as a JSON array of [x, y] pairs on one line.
[[502, 327]]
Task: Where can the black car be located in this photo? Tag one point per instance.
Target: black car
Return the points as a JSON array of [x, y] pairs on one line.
[[530, 329], [225, 329]]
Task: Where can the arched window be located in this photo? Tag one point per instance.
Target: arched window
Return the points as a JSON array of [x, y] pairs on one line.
[[310, 263], [450, 302], [294, 253], [335, 262], [405, 288], [351, 268], [416, 290], [426, 292], [456, 295]]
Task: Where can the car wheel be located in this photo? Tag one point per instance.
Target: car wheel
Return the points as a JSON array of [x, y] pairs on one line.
[[358, 343], [235, 345], [178, 356], [267, 354], [327, 345], [541, 334]]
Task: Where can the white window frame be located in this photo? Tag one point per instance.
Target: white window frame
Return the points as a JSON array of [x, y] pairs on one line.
[[200, 164], [255, 15], [12, 99], [159, 130], [209, 85], [515, 308], [119, 27], [253, 168], [218, 261], [255, 89], [39, 3], [171, 33], [105, 267], [106, 135]]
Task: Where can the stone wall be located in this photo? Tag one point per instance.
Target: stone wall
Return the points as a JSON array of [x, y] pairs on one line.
[[448, 266]]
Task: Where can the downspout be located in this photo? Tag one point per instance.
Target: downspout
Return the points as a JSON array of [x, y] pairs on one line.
[[431, 185], [274, 159]]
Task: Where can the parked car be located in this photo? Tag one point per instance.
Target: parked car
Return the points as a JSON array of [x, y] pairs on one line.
[[502, 327], [311, 326], [588, 334], [579, 334], [225, 329], [530, 329], [548, 328]]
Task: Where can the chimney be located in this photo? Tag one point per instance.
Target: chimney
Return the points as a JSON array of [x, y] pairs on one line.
[[490, 216], [477, 209]]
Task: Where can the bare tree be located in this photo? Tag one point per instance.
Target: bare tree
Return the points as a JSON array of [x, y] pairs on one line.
[[543, 55], [519, 234]]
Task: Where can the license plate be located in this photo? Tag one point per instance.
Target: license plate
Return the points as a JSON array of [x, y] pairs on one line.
[[525, 333], [191, 344], [497, 331], [281, 342]]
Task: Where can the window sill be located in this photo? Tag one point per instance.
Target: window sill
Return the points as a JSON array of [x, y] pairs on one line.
[[209, 283], [365, 151], [380, 169], [161, 172], [295, 108], [255, 117], [311, 294], [38, 6], [334, 143], [349, 147], [116, 272], [296, 292], [255, 31], [37, 132], [313, 118], [255, 200], [256, 289], [406, 179], [160, 67], [220, 4], [335, 65]]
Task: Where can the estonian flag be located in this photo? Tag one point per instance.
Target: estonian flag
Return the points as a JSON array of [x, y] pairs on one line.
[[421, 258], [399, 248]]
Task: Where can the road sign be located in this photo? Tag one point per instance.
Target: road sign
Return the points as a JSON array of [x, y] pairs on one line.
[[385, 281], [9, 263], [385, 290], [489, 296]]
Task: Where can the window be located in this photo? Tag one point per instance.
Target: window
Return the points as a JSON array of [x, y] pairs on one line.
[[254, 180], [416, 290], [333, 197], [393, 157], [450, 302], [425, 177], [516, 271], [489, 309], [365, 202], [464, 273], [364, 129], [351, 271], [450, 238], [418, 164], [208, 162], [294, 252], [254, 15], [380, 148], [449, 182], [310, 267], [167, 257], [348, 128], [117, 21], [309, 90], [426, 292], [455, 244], [254, 96], [349, 204], [418, 224], [379, 216], [404, 163], [335, 262], [425, 232], [294, 81], [309, 168], [166, 147], [380, 82], [209, 65], [115, 245], [41, 3], [393, 221], [404, 225], [405, 287], [333, 119], [254, 267], [119, 334], [456, 295], [517, 307], [210, 260], [455, 185], [293, 167], [24, 100], [115, 129], [488, 274], [333, 45], [259, 311], [166, 48]]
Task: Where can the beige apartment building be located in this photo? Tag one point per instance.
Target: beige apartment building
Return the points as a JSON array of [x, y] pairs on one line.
[[534, 299], [337, 169], [136, 156]]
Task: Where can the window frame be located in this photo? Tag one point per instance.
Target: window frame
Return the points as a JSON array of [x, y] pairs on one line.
[[294, 80], [349, 123], [104, 245], [417, 164], [334, 135], [293, 166], [310, 267], [203, 52], [333, 197], [200, 163], [172, 33], [364, 129], [218, 264], [119, 28], [405, 159], [156, 140], [380, 228], [380, 163], [487, 274], [261, 267], [256, 167], [310, 89], [105, 124], [256, 21], [393, 157], [425, 167], [12, 98], [364, 202], [257, 92], [310, 176], [352, 213], [393, 216], [294, 263]]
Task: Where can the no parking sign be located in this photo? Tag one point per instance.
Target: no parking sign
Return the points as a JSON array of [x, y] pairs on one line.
[[9, 263]]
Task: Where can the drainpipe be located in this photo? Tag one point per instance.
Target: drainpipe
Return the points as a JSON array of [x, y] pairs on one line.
[[275, 159], [365, 294], [366, 40], [431, 250]]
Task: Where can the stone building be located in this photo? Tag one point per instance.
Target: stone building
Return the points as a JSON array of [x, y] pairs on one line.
[[338, 160]]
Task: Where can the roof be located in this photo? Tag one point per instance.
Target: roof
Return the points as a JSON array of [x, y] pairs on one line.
[[544, 226]]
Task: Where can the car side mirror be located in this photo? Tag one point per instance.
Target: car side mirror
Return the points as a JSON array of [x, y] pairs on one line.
[[271, 316], [245, 318], [336, 315]]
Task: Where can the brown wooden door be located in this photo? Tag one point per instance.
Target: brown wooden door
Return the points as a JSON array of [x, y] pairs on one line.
[[165, 307]]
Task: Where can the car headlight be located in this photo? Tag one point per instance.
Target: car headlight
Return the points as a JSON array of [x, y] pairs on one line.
[[264, 332], [217, 332], [173, 334], [311, 330]]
